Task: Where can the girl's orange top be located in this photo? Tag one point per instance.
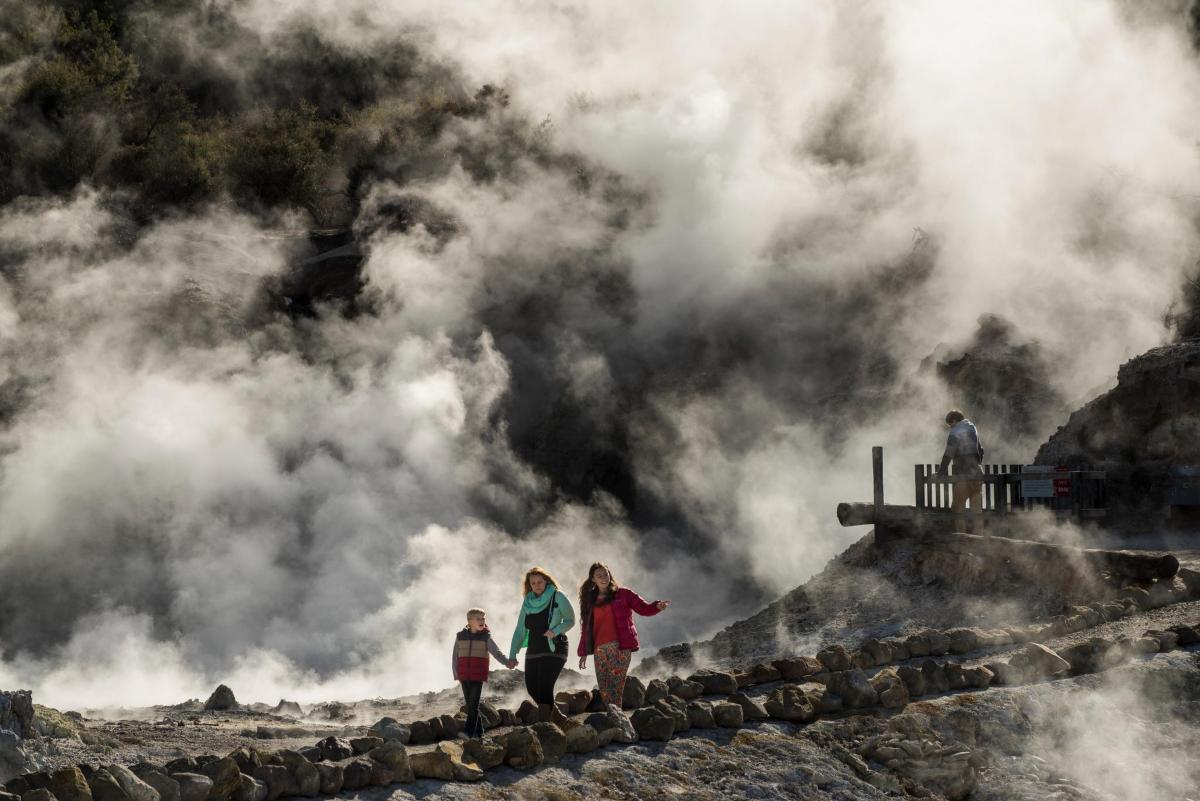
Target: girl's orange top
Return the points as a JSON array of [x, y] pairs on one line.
[[604, 626]]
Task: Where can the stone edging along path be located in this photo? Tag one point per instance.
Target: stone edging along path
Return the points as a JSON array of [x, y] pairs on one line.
[[832, 682]]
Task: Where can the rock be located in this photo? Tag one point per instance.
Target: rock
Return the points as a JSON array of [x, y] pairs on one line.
[[955, 678], [451, 726], [613, 720], [578, 701], [715, 682], [312, 753], [892, 692], [656, 690], [677, 710], [823, 701], [917, 644], [17, 715], [135, 788], [393, 756], [40, 794], [834, 658], [1089, 656], [1002, 673], [963, 640], [596, 702], [1167, 640], [486, 752], [877, 652], [935, 677], [700, 715], [861, 660], [445, 762], [898, 647], [168, 788], [553, 740], [1035, 662], [527, 713], [729, 715], [68, 784], [435, 725], [106, 788], [913, 678], [687, 690], [332, 778], [796, 668], [247, 759], [522, 748], [192, 786], [790, 704], [308, 780], [331, 748], [1163, 592], [361, 745], [1137, 596], [387, 729], [634, 694], [978, 676], [507, 717], [651, 723], [762, 674], [356, 775], [287, 709], [221, 700], [185, 764], [1190, 580], [939, 643], [1145, 645], [421, 733], [854, 688], [250, 789], [581, 739], [226, 776], [1185, 635], [751, 709]]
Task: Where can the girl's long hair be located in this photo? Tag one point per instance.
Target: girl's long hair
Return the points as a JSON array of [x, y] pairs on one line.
[[589, 593], [538, 571]]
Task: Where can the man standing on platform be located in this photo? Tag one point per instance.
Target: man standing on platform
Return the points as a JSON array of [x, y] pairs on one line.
[[964, 454]]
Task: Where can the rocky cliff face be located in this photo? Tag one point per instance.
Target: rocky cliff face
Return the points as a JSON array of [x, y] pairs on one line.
[[1139, 430]]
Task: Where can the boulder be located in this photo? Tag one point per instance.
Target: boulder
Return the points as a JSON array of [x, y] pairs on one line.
[[312, 753], [106, 788], [651, 723], [527, 713], [226, 776], [17, 715], [221, 700], [447, 758], [892, 692], [484, 752], [356, 774], [877, 652], [522, 748], [1145, 645], [955, 677], [69, 784], [634, 694], [577, 701], [388, 729], [6, 796], [854, 688], [553, 740], [333, 777], [729, 715], [790, 704], [1185, 635], [1002, 673], [135, 788], [1162, 592], [581, 739], [700, 715], [287, 709], [247, 759], [899, 648], [657, 690], [251, 789], [751, 709], [935, 677], [596, 702], [1035, 662], [185, 764], [41, 794], [939, 643], [978, 676], [451, 726], [917, 644], [612, 721], [435, 725], [361, 745], [1089, 656], [394, 757], [762, 674], [913, 678], [687, 690], [308, 780], [192, 786], [333, 749], [823, 701], [168, 788], [963, 640], [1190, 579], [507, 717], [715, 682], [677, 709], [834, 658], [421, 732], [796, 668]]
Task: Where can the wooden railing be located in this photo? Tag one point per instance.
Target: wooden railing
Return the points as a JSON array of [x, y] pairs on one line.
[[1007, 488]]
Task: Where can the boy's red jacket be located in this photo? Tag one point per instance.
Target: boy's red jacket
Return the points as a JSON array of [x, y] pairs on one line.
[[470, 658]]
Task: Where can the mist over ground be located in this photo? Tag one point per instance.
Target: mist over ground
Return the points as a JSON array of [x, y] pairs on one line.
[[642, 285]]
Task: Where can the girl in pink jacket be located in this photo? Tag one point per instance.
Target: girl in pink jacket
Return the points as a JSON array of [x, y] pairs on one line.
[[606, 618]]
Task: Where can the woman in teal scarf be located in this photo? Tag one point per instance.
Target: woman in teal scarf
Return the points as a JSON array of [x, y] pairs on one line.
[[546, 616]]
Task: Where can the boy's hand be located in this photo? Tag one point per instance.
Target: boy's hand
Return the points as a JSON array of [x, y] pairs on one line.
[[550, 635], [583, 663], [511, 664]]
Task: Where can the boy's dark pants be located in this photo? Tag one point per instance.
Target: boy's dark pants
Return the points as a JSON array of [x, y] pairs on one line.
[[471, 692]]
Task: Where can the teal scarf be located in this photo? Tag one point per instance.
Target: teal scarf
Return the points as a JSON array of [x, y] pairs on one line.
[[534, 604]]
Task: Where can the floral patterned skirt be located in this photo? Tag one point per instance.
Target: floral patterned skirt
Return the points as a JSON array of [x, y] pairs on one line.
[[611, 666]]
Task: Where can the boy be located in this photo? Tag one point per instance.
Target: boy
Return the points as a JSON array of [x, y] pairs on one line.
[[470, 665]]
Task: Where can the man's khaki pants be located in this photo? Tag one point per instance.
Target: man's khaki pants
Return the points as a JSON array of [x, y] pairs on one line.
[[967, 491]]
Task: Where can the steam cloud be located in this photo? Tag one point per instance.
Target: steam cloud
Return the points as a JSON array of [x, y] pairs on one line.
[[668, 345]]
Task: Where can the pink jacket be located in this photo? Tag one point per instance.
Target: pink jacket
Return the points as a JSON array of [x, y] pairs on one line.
[[624, 604]]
